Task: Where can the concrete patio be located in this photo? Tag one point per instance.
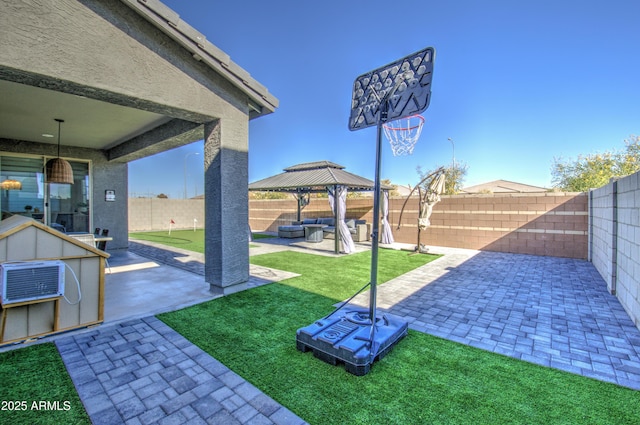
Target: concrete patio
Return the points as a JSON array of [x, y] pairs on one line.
[[149, 279]]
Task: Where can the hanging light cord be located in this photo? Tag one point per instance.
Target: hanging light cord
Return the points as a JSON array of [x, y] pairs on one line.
[[59, 123]]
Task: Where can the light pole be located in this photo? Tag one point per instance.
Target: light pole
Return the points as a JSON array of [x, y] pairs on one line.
[[185, 171], [453, 153]]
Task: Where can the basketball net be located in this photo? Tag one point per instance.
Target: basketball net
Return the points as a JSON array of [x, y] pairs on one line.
[[403, 134]]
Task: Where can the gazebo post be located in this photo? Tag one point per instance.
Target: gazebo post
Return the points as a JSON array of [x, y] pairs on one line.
[[299, 199], [336, 243]]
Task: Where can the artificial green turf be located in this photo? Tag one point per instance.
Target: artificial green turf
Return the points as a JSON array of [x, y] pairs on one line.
[[423, 380], [35, 378], [261, 236], [183, 239]]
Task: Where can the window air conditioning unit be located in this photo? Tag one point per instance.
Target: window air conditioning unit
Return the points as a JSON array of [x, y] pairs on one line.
[[31, 280]]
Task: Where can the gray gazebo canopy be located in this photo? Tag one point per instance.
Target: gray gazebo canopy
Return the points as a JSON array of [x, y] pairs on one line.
[[314, 177]]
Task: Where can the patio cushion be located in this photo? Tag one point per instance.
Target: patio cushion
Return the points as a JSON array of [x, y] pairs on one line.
[[290, 228], [290, 231], [309, 221], [329, 221]]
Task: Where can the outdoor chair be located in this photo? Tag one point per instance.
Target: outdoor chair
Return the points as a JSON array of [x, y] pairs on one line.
[[90, 239], [102, 245], [58, 227], [87, 238]]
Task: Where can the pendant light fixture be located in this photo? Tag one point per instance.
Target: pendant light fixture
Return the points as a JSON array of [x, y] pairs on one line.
[[11, 184], [59, 170]]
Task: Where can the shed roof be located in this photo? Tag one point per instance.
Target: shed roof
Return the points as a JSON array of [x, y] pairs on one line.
[[313, 177], [50, 242]]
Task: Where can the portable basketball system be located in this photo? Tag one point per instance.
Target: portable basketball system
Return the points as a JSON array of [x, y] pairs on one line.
[[397, 91]]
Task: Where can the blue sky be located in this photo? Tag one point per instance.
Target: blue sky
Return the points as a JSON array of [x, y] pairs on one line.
[[515, 84]]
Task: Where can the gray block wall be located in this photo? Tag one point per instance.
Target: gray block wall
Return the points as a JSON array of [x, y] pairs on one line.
[[615, 239]]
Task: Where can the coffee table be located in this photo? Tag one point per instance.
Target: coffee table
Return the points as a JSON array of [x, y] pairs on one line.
[[313, 232]]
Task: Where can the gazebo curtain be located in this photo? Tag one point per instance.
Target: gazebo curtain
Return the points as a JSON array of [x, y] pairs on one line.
[[387, 235], [341, 225]]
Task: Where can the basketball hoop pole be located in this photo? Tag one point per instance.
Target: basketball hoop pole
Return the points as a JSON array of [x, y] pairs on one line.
[[376, 224], [382, 118], [376, 228]]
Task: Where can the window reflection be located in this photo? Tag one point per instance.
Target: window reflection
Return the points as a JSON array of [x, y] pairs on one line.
[[29, 199]]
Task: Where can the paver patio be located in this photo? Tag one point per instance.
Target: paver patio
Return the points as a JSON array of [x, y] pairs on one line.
[[551, 311]]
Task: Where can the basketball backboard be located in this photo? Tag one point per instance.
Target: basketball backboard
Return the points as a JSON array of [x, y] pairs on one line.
[[404, 85]]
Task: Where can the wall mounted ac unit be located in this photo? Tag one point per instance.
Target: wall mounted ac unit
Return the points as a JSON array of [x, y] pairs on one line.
[[31, 280]]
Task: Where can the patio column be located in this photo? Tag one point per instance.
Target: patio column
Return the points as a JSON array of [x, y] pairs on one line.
[[226, 205]]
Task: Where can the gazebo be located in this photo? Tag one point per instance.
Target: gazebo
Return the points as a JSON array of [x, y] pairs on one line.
[[320, 176]]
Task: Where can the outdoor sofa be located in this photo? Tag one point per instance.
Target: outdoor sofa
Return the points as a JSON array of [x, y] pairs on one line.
[[359, 229]]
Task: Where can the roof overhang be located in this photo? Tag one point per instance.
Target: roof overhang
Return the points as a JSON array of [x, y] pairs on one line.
[[31, 101], [168, 21]]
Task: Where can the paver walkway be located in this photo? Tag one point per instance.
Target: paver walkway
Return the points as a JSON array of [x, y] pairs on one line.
[[143, 372]]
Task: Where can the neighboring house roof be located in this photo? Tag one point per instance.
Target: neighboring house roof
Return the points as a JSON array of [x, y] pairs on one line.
[[503, 186], [405, 190], [313, 177]]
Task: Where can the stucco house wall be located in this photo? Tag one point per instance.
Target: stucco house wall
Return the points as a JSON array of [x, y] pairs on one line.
[[141, 56]]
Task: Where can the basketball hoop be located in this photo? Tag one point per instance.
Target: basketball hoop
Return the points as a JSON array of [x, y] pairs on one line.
[[403, 134], [396, 94]]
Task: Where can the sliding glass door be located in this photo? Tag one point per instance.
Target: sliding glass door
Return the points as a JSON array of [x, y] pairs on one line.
[[68, 208], [61, 206]]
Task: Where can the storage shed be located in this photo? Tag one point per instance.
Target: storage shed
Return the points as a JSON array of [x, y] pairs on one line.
[[49, 281]]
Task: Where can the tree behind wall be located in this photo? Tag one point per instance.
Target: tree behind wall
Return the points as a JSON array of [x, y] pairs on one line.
[[596, 170], [454, 177], [269, 195]]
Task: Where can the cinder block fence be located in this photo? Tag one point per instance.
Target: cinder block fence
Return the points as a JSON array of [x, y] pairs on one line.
[[553, 224], [157, 213], [615, 235]]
